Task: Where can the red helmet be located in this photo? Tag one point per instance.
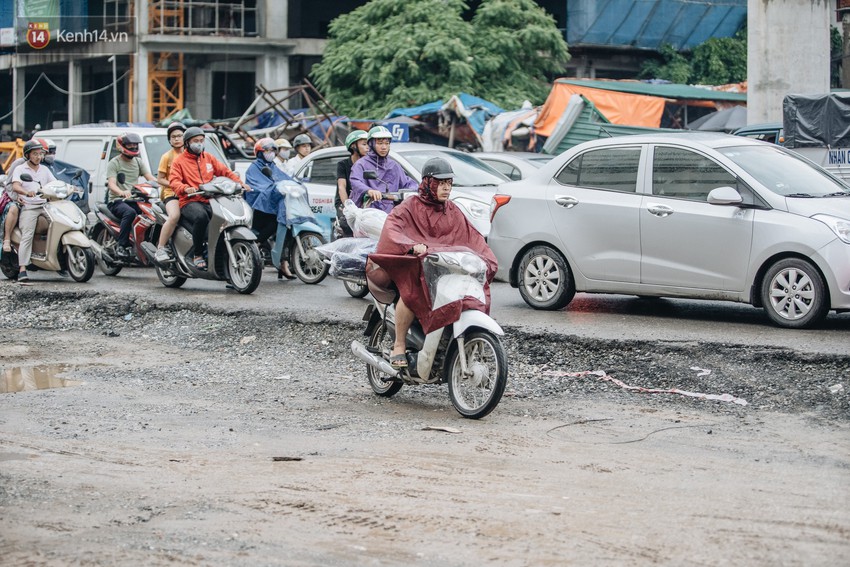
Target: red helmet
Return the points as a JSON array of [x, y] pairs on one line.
[[264, 145], [34, 144], [126, 143]]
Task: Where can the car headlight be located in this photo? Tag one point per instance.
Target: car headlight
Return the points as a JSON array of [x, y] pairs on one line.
[[476, 209], [841, 227]]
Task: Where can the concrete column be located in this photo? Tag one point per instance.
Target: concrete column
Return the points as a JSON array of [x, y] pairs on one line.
[[201, 81], [140, 85], [75, 87], [275, 22], [778, 65], [272, 71], [18, 93], [845, 62]]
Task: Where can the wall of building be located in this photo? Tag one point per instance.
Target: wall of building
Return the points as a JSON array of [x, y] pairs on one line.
[[787, 52]]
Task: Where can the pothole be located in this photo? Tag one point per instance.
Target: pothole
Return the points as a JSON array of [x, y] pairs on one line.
[[28, 378]]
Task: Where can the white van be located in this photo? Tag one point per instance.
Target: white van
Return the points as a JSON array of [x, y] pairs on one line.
[[91, 148]]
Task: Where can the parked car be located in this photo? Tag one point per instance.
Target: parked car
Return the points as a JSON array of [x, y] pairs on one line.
[[770, 132], [514, 165], [702, 216], [91, 147], [474, 184]]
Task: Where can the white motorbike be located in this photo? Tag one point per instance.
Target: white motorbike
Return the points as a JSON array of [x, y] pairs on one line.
[[467, 354], [60, 243]]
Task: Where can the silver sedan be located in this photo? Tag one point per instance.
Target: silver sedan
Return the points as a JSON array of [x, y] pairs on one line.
[[702, 216]]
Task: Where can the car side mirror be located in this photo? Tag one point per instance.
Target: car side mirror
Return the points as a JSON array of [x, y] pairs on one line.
[[121, 178], [232, 165], [725, 196], [370, 174], [26, 177]]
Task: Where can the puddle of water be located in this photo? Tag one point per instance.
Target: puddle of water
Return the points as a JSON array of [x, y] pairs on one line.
[[27, 378]]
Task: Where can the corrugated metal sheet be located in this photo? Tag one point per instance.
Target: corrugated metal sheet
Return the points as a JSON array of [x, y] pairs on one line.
[[592, 125], [670, 90], [648, 24]]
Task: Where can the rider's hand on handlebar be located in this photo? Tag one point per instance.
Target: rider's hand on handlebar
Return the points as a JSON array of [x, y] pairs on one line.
[[374, 195], [245, 187], [420, 249]]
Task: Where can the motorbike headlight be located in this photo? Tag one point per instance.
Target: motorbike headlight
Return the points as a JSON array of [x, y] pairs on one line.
[[74, 221], [841, 227]]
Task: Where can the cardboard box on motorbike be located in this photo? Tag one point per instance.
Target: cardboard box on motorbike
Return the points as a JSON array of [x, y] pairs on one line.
[[92, 147]]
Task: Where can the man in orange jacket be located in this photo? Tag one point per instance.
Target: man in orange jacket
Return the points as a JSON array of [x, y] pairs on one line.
[[189, 171]]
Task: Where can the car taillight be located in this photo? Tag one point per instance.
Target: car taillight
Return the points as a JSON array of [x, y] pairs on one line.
[[498, 202]]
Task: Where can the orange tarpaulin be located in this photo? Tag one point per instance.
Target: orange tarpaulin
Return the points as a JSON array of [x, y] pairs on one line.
[[620, 108]]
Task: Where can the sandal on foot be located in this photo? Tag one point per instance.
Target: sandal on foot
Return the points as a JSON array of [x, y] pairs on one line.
[[199, 263], [7, 246], [398, 361]]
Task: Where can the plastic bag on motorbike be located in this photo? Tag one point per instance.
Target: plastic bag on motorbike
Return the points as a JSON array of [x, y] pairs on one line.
[[347, 256], [298, 209], [453, 275], [366, 223]]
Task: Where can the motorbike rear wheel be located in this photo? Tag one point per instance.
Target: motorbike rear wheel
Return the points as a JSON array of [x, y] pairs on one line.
[[169, 278], [107, 242], [9, 265], [355, 289], [478, 393], [245, 276], [381, 340], [310, 268], [80, 262]]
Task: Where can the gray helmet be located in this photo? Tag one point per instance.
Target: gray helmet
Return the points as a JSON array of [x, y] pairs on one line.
[[175, 126], [190, 133], [438, 168], [301, 139]]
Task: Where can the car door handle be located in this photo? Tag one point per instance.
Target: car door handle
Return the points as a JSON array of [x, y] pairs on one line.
[[660, 210], [566, 202]]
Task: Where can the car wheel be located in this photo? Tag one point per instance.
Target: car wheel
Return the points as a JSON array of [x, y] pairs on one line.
[[545, 280], [793, 294]]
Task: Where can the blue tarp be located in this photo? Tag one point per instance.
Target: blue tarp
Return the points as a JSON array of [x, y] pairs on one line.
[[649, 24], [476, 110]]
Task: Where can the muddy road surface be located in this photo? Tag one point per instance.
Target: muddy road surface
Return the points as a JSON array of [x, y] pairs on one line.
[[141, 432]]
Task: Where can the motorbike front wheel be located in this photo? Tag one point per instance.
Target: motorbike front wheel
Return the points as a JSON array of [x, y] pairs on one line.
[[245, 269], [80, 263], [478, 392], [309, 267], [381, 341], [107, 242], [355, 289]]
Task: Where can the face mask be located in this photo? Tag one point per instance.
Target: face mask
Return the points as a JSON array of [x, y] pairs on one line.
[[284, 154], [196, 148], [48, 159], [268, 156]]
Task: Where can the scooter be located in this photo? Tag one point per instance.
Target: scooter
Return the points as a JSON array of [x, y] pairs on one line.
[[144, 229], [232, 255], [467, 354], [60, 244]]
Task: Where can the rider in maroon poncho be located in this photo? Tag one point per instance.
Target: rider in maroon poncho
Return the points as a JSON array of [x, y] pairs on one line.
[[426, 223]]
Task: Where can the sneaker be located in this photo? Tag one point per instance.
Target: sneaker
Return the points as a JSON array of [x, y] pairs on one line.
[[125, 251], [162, 255], [23, 277]]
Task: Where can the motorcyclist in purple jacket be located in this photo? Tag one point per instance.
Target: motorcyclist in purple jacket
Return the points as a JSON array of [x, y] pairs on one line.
[[391, 176]]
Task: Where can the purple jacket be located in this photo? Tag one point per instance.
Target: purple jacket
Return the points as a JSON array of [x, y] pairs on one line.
[[388, 170]]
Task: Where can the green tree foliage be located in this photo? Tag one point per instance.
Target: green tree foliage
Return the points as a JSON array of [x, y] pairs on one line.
[[389, 53], [836, 57], [718, 61], [673, 66]]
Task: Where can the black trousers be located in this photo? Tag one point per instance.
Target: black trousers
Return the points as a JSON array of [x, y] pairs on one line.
[[199, 214], [265, 225], [126, 211]]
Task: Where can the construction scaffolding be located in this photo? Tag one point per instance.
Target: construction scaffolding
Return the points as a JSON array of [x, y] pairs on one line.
[[204, 17], [316, 115]]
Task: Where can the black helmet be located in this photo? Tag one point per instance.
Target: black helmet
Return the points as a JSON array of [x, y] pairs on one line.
[[175, 126], [438, 168], [34, 144]]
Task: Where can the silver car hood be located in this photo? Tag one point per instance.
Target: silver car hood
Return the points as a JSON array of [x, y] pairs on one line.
[[835, 206]]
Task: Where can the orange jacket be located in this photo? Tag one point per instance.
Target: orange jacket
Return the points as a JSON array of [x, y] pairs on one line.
[[189, 170]]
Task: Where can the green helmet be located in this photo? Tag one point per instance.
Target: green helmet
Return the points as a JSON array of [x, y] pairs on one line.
[[379, 132], [354, 136]]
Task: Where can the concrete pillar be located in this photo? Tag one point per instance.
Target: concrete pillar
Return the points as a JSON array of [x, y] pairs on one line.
[[787, 52], [75, 87], [275, 22], [18, 94], [140, 85], [201, 81], [272, 71], [845, 62]]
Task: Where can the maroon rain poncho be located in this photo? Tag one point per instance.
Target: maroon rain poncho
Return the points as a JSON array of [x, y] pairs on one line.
[[440, 226]]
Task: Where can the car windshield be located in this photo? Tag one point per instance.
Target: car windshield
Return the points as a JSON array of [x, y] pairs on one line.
[[784, 173], [469, 171], [156, 146]]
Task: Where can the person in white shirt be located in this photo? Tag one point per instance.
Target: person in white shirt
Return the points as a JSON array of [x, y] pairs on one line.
[[284, 150], [34, 152], [303, 145]]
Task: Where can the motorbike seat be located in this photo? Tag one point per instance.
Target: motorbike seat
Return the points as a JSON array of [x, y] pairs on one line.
[[379, 283], [107, 213]]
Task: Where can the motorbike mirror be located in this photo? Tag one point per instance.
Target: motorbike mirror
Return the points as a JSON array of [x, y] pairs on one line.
[[78, 174], [121, 178], [369, 174], [26, 177], [267, 172]]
